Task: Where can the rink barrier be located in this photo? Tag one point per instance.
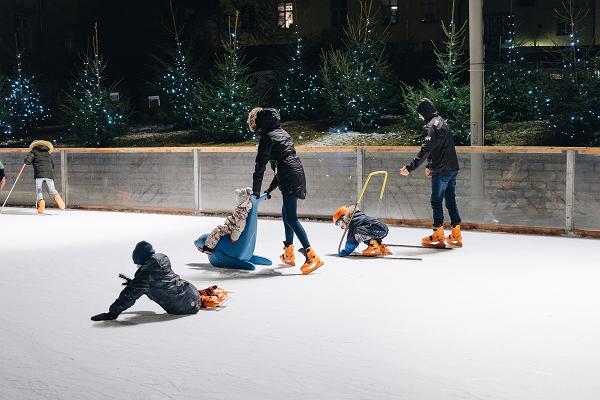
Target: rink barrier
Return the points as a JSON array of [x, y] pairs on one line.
[[186, 186]]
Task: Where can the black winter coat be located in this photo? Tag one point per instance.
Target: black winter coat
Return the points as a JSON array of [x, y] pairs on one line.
[[41, 159], [156, 280], [438, 148], [276, 145], [364, 228]]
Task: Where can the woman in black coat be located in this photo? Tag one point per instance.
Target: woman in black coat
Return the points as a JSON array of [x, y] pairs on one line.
[[276, 146]]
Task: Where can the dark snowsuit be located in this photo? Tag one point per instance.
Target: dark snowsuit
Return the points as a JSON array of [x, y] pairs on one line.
[[364, 228], [276, 145], [41, 160], [156, 280]]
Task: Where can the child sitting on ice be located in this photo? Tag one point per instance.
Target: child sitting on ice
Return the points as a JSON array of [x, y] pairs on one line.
[[361, 228], [155, 279], [234, 224]]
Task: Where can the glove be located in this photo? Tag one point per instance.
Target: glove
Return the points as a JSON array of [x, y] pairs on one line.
[[126, 278], [346, 251], [268, 193], [104, 317]]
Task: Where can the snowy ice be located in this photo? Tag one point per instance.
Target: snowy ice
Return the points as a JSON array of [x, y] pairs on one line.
[[505, 317]]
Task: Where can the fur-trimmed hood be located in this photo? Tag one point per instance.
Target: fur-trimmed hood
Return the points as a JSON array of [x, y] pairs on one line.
[[41, 144]]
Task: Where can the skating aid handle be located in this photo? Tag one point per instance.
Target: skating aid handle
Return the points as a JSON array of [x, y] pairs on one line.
[[359, 199], [11, 189]]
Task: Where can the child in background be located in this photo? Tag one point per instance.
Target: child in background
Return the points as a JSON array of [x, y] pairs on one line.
[[43, 169], [361, 228], [234, 224]]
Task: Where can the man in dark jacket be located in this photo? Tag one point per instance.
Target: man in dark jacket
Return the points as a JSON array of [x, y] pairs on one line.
[[438, 149], [277, 147], [40, 157], [155, 279]]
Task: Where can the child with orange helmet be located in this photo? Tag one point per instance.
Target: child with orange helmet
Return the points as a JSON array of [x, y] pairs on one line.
[[361, 228]]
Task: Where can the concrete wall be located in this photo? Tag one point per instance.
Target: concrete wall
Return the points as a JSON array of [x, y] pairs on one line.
[[522, 189]]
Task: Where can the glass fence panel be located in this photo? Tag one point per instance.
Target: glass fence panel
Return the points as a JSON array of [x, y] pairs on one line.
[[129, 180], [586, 210], [514, 189], [330, 179], [24, 192]]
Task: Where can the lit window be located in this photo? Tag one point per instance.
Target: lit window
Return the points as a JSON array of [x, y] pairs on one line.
[[429, 10], [392, 6], [339, 13], [285, 13]]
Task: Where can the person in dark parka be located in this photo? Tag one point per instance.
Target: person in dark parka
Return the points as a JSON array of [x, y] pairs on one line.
[[155, 279], [438, 149], [40, 157], [277, 147]]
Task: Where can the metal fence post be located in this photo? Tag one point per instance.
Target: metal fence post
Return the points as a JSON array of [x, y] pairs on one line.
[[197, 182], [570, 191], [64, 177], [360, 165]]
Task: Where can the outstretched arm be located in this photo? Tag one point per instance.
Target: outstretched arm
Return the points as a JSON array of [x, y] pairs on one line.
[[135, 288], [426, 149], [262, 158], [348, 249]]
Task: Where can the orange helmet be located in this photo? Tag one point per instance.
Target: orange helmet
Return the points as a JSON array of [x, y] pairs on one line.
[[339, 213]]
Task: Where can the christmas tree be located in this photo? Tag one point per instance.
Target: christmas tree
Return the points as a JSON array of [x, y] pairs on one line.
[[177, 83], [299, 93], [23, 107], [226, 101], [571, 103], [94, 118], [513, 86], [355, 79], [449, 94]]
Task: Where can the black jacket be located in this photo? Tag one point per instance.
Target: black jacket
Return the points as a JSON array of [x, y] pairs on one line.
[[364, 228], [276, 145], [437, 148], [1, 170], [156, 280], [41, 159]]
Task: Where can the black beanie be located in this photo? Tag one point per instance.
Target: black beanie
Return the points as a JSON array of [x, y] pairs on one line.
[[427, 109], [142, 252]]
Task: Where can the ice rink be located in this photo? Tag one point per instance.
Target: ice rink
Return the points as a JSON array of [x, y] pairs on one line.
[[506, 317]]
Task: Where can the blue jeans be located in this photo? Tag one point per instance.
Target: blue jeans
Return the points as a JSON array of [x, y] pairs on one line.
[[443, 187], [39, 194], [292, 225]]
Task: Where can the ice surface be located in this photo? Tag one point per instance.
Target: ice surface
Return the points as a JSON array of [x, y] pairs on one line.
[[506, 317]]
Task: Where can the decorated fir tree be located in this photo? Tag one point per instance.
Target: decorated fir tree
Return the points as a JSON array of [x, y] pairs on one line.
[[23, 108], [94, 118], [513, 85], [356, 78], [571, 103], [449, 93], [299, 94], [177, 83], [226, 100]]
